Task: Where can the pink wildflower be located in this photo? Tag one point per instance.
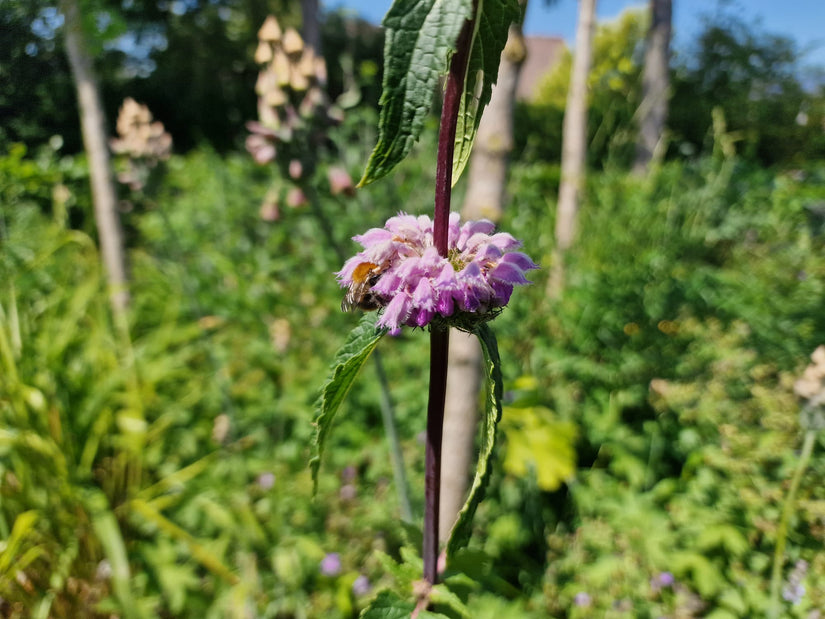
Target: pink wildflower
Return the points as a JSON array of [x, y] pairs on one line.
[[401, 272]]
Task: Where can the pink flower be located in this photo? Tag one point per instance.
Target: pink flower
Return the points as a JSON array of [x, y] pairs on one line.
[[331, 564], [340, 181], [401, 272]]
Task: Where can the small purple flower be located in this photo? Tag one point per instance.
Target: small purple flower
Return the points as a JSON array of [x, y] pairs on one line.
[[793, 593], [361, 586], [582, 599], [401, 272], [349, 473], [348, 492], [331, 564], [666, 579], [794, 589], [266, 481], [662, 580]]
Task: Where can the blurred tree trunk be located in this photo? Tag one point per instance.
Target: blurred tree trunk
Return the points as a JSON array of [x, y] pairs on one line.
[[93, 127], [655, 87], [486, 185], [311, 29], [574, 145]]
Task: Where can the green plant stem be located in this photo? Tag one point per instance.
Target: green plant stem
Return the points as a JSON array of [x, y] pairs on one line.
[[387, 408], [782, 532], [388, 416], [440, 337]]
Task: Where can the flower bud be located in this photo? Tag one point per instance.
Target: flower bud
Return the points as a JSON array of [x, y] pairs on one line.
[[263, 53], [280, 67], [340, 181], [270, 31], [296, 198], [292, 43]]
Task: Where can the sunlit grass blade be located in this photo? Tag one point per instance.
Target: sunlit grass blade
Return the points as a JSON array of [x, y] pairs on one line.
[[198, 551]]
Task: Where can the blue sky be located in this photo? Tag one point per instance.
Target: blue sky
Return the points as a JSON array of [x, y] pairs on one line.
[[802, 20]]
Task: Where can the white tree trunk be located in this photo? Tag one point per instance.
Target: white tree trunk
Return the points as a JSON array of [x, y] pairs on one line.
[[486, 185], [655, 87], [93, 127], [574, 144]]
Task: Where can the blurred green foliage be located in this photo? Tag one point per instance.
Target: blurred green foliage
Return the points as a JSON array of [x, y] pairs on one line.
[[649, 429], [773, 107]]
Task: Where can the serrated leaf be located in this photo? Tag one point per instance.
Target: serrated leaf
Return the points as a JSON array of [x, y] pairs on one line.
[[388, 605], [345, 367], [443, 596], [460, 534], [420, 36], [492, 23]]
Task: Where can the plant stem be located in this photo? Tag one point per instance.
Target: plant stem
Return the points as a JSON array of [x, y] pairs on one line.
[[388, 416], [439, 344], [782, 533], [440, 337]]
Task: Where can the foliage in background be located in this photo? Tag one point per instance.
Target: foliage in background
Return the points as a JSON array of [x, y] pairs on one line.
[[171, 56], [774, 108], [665, 375], [649, 432], [754, 79], [614, 87]]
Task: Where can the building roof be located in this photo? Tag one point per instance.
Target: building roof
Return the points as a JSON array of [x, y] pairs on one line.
[[542, 55]]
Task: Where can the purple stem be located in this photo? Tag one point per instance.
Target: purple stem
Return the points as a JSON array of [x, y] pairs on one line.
[[440, 337]]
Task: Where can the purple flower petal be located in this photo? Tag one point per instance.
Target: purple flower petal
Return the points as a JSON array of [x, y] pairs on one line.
[[510, 273], [373, 236], [331, 564], [424, 295], [505, 241], [414, 284], [396, 312], [521, 260]]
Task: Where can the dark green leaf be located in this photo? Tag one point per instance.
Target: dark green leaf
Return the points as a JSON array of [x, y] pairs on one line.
[[345, 367], [460, 534], [420, 37], [388, 605], [493, 19]]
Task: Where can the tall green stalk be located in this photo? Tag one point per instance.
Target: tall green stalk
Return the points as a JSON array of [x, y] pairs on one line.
[[782, 533]]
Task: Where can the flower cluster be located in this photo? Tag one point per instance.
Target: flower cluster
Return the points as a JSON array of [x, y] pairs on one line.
[[811, 390], [401, 271], [292, 101], [143, 143], [294, 117]]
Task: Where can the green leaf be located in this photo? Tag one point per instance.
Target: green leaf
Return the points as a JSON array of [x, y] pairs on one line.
[[345, 367], [493, 19], [109, 535], [420, 37], [442, 596], [460, 534], [388, 605], [538, 441]]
